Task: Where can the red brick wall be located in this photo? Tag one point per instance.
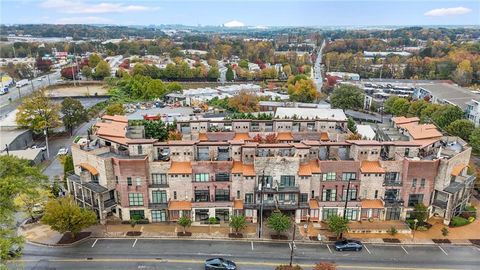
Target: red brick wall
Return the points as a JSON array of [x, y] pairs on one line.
[[339, 167], [134, 168], [418, 169]]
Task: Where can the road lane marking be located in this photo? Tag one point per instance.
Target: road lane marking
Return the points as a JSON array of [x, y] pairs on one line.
[[251, 242], [94, 243], [443, 250], [141, 229], [134, 243], [329, 249], [367, 249], [189, 261], [404, 249]]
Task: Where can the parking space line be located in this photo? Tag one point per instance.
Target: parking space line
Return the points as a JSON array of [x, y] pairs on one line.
[[329, 248], [134, 243], [366, 248], [442, 250], [94, 242], [404, 249], [252, 244]]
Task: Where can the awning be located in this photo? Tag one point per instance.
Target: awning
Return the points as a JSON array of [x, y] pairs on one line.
[[89, 168], [371, 167], [314, 166], [240, 168], [369, 204], [457, 170], [313, 204], [237, 167], [304, 170], [241, 137], [284, 136], [202, 137], [180, 168], [179, 205], [324, 137], [238, 204]]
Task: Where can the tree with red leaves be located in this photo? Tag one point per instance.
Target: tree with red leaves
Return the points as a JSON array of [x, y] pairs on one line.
[[257, 138], [325, 266], [69, 72], [44, 65], [271, 138]]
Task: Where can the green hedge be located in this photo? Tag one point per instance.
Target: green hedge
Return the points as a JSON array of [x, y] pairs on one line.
[[458, 221]]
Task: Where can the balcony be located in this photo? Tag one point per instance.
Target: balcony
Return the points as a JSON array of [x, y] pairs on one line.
[[158, 206], [109, 203], [393, 202], [392, 183], [152, 185], [272, 204]]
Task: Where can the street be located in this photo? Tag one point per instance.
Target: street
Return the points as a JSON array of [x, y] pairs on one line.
[[317, 69], [190, 254]]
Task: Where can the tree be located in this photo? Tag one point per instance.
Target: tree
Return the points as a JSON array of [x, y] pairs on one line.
[[17, 177], [420, 213], [213, 74], [185, 222], [229, 75], [94, 59], [238, 223], [475, 140], [347, 97], [463, 75], [337, 225], [288, 267], [70, 72], [303, 91], [102, 70], [271, 138], [115, 109], [174, 87], [73, 113], [87, 71], [461, 128], [44, 65], [351, 125], [68, 166], [64, 215], [324, 266], [400, 107], [244, 102], [243, 63], [388, 104], [447, 114], [27, 202], [416, 107], [38, 113], [279, 222], [445, 231]]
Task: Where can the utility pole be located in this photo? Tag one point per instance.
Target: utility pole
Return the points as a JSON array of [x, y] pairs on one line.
[[346, 202], [46, 142], [261, 205], [292, 245]]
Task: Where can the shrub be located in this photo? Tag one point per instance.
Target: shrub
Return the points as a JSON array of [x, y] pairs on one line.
[[392, 231], [325, 266], [288, 267], [458, 221], [411, 223], [212, 220], [471, 210], [471, 219], [445, 231]]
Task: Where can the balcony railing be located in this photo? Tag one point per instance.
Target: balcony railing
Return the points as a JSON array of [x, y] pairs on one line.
[[163, 205], [392, 183], [439, 203], [154, 185], [393, 202]]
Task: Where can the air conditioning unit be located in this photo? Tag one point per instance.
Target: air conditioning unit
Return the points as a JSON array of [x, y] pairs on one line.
[[268, 185]]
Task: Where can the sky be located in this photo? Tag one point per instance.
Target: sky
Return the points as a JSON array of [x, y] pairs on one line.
[[240, 13]]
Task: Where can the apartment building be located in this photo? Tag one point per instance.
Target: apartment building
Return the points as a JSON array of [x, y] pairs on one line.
[[309, 170]]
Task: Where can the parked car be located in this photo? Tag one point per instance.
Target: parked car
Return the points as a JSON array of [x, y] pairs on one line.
[[62, 151], [43, 148], [219, 263], [351, 245]]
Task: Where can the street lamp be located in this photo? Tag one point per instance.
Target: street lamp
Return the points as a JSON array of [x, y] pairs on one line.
[[292, 245], [45, 132], [415, 221]]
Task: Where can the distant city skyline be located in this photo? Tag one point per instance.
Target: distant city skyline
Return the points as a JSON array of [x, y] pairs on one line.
[[241, 13]]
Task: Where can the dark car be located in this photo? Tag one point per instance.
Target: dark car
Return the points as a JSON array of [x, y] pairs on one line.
[[352, 245], [219, 263]]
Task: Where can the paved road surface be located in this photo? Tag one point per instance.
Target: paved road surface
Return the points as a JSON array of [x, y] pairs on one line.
[[190, 254], [317, 74]]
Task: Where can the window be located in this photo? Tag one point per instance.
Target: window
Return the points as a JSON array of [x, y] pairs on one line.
[[407, 152], [174, 195], [376, 194], [329, 212], [138, 181], [329, 195], [414, 182], [116, 179], [303, 197], [201, 177], [159, 215], [249, 198], [331, 176], [238, 194], [265, 180], [201, 195], [414, 199], [422, 183], [391, 177], [159, 196], [159, 179], [137, 214], [287, 181], [349, 176], [201, 214], [139, 149], [351, 214], [313, 194], [391, 194], [352, 194], [222, 177], [129, 181], [222, 195], [135, 199]]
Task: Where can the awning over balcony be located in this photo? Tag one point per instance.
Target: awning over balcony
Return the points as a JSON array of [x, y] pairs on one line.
[[371, 167], [284, 136], [179, 205], [457, 170], [313, 204], [180, 168], [309, 168], [238, 204], [369, 204], [89, 168], [202, 137], [241, 137], [245, 169], [324, 137]]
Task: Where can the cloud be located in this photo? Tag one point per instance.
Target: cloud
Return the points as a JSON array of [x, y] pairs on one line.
[[234, 23], [80, 7], [439, 12], [83, 20]]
